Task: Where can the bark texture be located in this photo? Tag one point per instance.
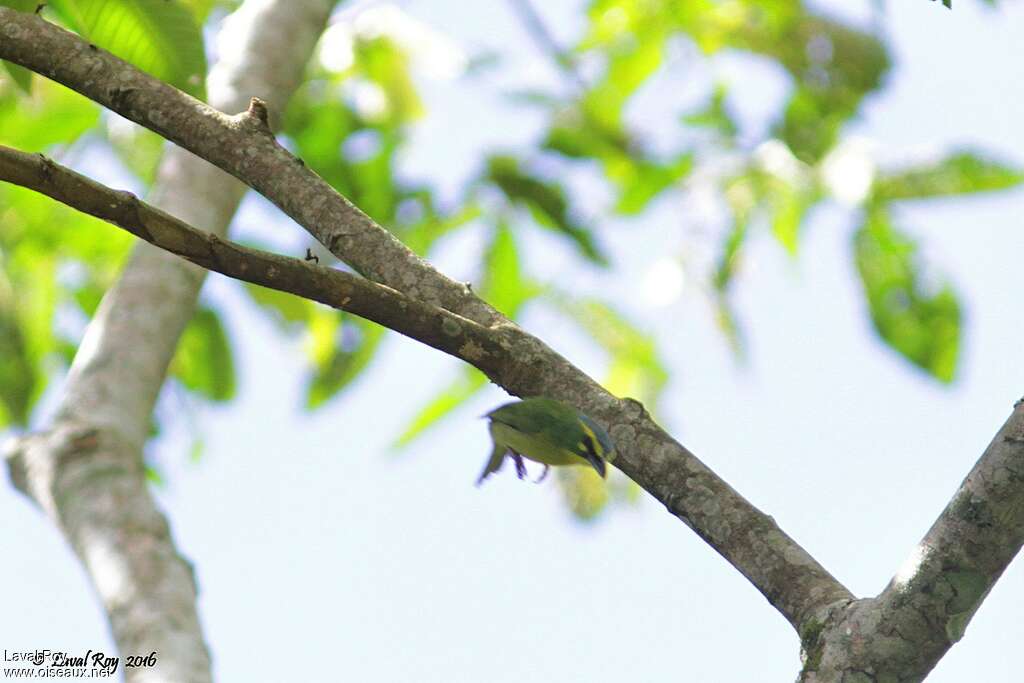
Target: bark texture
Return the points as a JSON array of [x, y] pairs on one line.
[[85, 469], [899, 636]]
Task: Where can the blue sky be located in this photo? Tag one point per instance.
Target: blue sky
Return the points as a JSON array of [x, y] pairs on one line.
[[324, 555]]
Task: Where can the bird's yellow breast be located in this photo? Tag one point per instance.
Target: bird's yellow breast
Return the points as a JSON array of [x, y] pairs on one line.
[[534, 447]]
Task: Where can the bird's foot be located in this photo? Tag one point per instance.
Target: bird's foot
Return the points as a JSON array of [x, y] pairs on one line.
[[543, 475], [520, 465]]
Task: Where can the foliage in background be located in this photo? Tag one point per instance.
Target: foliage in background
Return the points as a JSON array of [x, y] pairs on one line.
[[351, 123]]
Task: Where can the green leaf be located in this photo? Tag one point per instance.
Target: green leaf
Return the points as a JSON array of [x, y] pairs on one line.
[[203, 362], [728, 323], [200, 8], [286, 310], [742, 199], [464, 387], [355, 156], [342, 347], [575, 133], [960, 173], [196, 450], [421, 235], [640, 181], [161, 37], [52, 115], [546, 201], [833, 67], [506, 288], [715, 116], [154, 476], [729, 259], [387, 65], [918, 318], [635, 368], [28, 302], [21, 76], [504, 285], [788, 205], [631, 36], [17, 370]]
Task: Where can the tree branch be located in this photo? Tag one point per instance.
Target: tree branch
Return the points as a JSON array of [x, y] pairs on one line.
[[230, 143], [902, 634], [85, 469], [790, 578], [465, 339]]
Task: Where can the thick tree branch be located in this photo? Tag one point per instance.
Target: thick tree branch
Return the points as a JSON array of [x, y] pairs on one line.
[[790, 578], [85, 469], [449, 332], [228, 142], [902, 634]]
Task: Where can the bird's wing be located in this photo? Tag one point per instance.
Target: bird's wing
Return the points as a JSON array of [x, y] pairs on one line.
[[494, 463]]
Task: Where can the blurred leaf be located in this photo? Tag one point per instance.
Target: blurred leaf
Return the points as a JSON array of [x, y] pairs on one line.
[[342, 346], [631, 36], [546, 201], [200, 8], [728, 323], [421, 235], [788, 206], [52, 115], [833, 66], [576, 134], [468, 383], [153, 476], [742, 201], [504, 286], [139, 148], [21, 76], [635, 368], [583, 490], [387, 65], [40, 239], [28, 301], [161, 37], [286, 310], [355, 156], [203, 362], [642, 181], [960, 173], [729, 259], [196, 450], [17, 371], [918, 318], [88, 296], [715, 116]]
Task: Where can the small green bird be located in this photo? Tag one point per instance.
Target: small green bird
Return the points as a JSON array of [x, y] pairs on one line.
[[545, 431]]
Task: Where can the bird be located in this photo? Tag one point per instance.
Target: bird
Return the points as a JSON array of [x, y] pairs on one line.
[[546, 431]]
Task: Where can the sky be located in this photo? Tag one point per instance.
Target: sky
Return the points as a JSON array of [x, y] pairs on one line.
[[322, 554]]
